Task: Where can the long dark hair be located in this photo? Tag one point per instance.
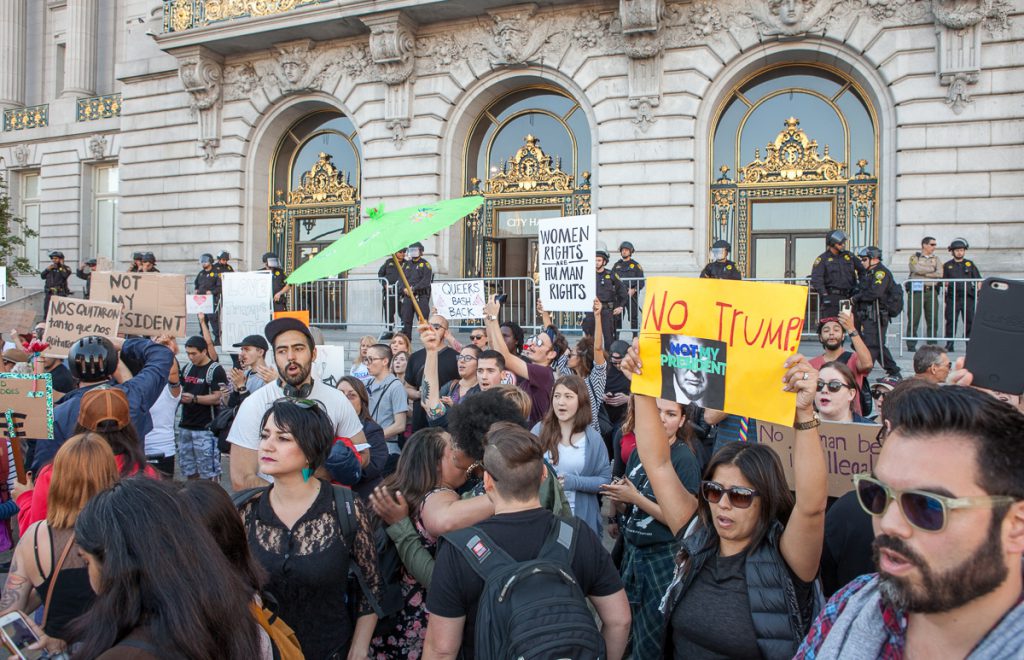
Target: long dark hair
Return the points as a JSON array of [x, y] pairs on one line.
[[124, 443], [147, 544], [213, 507], [416, 473], [364, 396], [550, 428], [584, 357]]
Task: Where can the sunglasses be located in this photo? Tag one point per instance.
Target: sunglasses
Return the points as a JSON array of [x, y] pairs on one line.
[[832, 385], [878, 394], [465, 358], [436, 326], [476, 337], [739, 497], [932, 244], [926, 511]]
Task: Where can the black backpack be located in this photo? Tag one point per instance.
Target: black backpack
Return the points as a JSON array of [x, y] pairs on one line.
[[531, 610], [864, 391], [894, 299]]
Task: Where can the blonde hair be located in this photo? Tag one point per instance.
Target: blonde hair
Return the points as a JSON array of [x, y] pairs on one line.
[[359, 353], [517, 396], [83, 467]]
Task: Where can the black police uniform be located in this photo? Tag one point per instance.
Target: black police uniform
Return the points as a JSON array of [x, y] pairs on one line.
[[959, 297], [419, 273], [220, 268], [721, 270], [278, 282], [389, 303], [835, 277], [632, 275], [208, 282], [55, 283], [612, 293], [82, 275], [872, 314]]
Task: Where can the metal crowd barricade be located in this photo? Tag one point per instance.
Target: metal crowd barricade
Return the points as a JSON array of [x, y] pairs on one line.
[[343, 302], [521, 305], [813, 311], [937, 311]]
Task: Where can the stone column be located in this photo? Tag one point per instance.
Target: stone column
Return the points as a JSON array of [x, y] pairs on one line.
[[80, 58], [12, 53]]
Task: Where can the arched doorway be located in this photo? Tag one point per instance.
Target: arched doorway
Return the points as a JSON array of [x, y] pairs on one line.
[[818, 135]]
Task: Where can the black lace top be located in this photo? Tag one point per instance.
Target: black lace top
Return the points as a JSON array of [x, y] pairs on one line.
[[308, 567]]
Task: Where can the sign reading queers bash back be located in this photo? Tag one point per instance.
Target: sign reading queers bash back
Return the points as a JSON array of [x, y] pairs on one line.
[[153, 304], [721, 344], [566, 260]]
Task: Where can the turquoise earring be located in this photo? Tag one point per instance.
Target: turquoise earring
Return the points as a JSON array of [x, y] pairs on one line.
[[306, 474]]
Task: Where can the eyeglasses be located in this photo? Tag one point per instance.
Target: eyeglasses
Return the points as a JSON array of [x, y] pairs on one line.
[[437, 326], [465, 358], [878, 394], [832, 385], [374, 359], [739, 497], [476, 337], [926, 511]]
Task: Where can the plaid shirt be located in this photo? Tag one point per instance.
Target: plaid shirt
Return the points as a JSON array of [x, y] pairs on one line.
[[894, 645]]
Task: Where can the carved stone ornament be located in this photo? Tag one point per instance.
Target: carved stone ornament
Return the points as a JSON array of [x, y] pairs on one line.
[[299, 67], [792, 157], [97, 147], [958, 96], [789, 18], [392, 45], [530, 170], [201, 72], [640, 15], [21, 155], [961, 14]]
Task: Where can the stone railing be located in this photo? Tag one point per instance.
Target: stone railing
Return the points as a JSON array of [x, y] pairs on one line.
[[18, 119], [181, 15], [98, 107]]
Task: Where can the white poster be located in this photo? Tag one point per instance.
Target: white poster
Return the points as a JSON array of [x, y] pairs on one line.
[[566, 260], [199, 303], [3, 283], [459, 299], [329, 365], [247, 307]]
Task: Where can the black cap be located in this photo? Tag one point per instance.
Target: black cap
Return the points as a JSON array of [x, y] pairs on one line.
[[223, 254], [136, 256], [255, 341], [90, 262], [720, 243], [418, 245], [56, 253], [277, 326], [196, 342], [626, 245], [618, 347], [148, 257]]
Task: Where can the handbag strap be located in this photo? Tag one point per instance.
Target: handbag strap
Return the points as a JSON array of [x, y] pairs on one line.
[[53, 578]]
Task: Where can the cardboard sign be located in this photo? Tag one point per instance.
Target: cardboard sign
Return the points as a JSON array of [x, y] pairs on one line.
[[153, 304], [459, 299], [566, 260], [70, 319], [22, 320], [300, 314], [246, 308], [199, 303], [3, 283], [26, 406], [849, 449], [104, 264], [329, 365], [721, 344]]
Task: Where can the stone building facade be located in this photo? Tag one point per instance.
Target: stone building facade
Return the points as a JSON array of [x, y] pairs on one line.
[[188, 126]]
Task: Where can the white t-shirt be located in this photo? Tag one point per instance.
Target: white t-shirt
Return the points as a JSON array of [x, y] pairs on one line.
[[245, 431], [160, 440], [571, 461]]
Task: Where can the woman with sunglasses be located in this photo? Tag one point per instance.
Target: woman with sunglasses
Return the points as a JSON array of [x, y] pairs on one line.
[[744, 584], [836, 393]]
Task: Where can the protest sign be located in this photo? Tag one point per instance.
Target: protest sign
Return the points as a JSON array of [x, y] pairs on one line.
[[26, 406], [199, 303], [459, 299], [721, 344], [153, 304], [247, 306], [103, 265], [849, 449], [21, 320], [298, 314], [70, 319], [3, 283], [329, 365], [566, 261]]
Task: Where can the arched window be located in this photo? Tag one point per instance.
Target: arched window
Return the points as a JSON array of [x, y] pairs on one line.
[[794, 152]]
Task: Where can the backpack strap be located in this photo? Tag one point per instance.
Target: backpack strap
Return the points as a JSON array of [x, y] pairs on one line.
[[344, 504], [479, 551], [243, 497], [560, 546], [845, 357]]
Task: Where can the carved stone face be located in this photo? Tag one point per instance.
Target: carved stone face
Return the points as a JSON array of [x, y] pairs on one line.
[[791, 11], [293, 69]]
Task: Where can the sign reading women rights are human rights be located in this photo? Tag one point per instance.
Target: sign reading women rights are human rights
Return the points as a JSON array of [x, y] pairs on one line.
[[721, 344]]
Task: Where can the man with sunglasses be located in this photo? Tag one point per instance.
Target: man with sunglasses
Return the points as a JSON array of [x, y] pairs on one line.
[[931, 364], [924, 266], [947, 500]]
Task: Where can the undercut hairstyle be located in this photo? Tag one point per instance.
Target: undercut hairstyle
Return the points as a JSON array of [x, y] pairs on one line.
[[517, 396], [517, 334], [311, 429], [992, 426], [416, 474], [551, 429], [491, 354], [469, 422], [926, 356], [364, 396], [83, 467], [124, 443], [383, 350], [514, 458]]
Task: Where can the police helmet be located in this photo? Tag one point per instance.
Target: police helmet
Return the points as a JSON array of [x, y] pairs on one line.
[[224, 254], [136, 256], [870, 252], [721, 244], [205, 258], [603, 253], [626, 245], [57, 253], [835, 237], [269, 255], [90, 262], [148, 258], [92, 359], [417, 246], [958, 244]]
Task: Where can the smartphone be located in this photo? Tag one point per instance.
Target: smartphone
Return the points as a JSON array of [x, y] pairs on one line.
[[502, 298], [993, 353], [18, 636], [845, 306]]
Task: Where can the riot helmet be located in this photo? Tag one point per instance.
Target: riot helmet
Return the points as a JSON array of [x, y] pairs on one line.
[[870, 252], [958, 244], [835, 237], [205, 258]]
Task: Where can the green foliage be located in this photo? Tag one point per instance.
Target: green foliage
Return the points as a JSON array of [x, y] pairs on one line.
[[13, 232]]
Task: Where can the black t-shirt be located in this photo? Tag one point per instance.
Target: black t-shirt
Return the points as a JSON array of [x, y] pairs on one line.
[[640, 528], [447, 370], [62, 379], [455, 587], [196, 416], [848, 539]]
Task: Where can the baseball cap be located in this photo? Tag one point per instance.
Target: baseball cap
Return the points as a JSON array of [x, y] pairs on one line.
[[255, 341], [886, 384], [15, 355], [104, 409], [277, 326]]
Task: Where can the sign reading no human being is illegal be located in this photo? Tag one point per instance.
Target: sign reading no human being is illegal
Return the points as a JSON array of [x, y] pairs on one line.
[[69, 319], [566, 253]]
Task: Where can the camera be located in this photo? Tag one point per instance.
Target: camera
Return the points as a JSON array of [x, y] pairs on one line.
[[502, 298]]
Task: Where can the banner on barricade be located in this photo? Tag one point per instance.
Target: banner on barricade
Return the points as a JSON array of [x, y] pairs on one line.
[[26, 406], [566, 253], [721, 344], [329, 365], [153, 304], [70, 319], [459, 299], [849, 449], [199, 303], [247, 306]]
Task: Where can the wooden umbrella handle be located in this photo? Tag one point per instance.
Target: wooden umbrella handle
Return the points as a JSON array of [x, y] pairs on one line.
[[19, 459], [405, 281]]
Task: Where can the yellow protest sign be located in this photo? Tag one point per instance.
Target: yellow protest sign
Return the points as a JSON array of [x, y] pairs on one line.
[[721, 344]]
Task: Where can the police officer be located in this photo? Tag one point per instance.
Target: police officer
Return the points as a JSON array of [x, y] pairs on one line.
[[959, 297], [925, 269], [720, 267], [418, 272], [84, 272], [149, 263], [389, 287], [136, 266], [222, 266], [876, 289], [55, 280], [632, 275], [612, 294], [835, 275], [280, 288], [208, 283]]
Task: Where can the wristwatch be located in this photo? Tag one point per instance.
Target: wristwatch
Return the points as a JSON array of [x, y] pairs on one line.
[[853, 333], [490, 317], [804, 426]]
